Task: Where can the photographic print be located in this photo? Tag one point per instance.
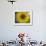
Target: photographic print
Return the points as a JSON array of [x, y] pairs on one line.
[[23, 18]]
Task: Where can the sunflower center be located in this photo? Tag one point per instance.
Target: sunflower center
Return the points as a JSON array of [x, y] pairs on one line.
[[23, 16]]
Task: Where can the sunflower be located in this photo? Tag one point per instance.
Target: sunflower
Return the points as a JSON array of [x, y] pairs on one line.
[[22, 17]]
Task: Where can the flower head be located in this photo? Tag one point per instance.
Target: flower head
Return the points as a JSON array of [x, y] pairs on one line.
[[22, 17]]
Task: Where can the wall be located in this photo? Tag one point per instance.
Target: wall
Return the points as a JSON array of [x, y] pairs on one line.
[[9, 31]]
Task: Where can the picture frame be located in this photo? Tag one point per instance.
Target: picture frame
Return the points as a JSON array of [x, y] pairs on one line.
[[23, 22]]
